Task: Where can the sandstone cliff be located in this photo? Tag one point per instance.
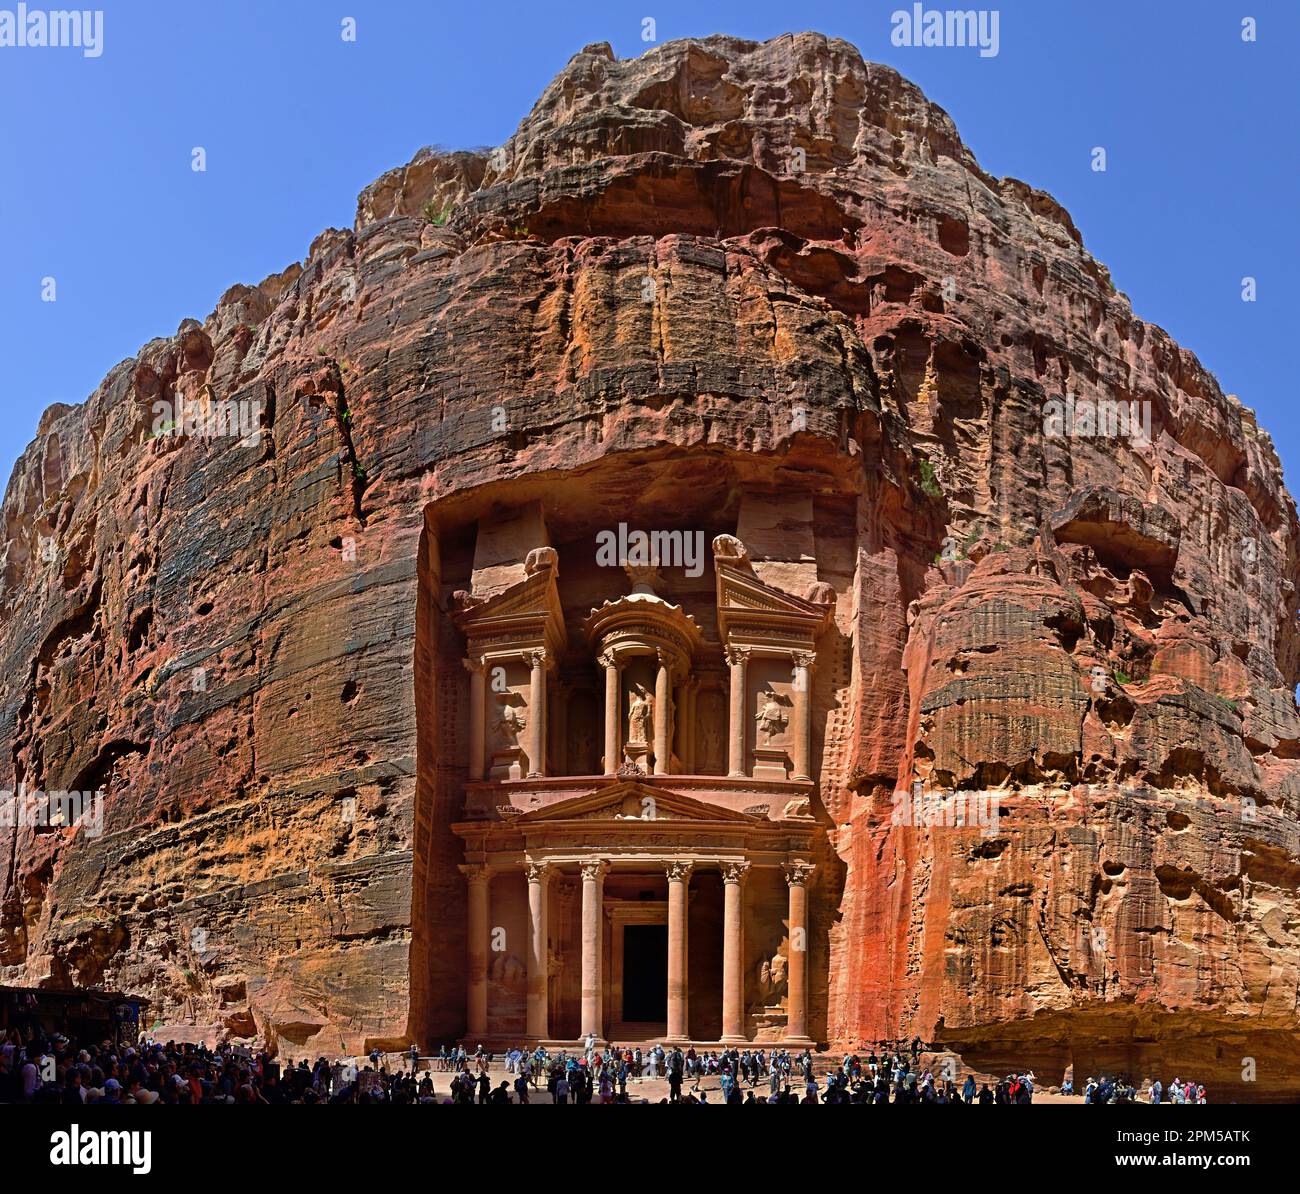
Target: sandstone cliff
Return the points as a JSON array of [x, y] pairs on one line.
[[1100, 629]]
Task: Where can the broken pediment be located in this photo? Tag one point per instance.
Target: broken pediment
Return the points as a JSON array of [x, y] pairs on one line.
[[527, 613], [749, 609]]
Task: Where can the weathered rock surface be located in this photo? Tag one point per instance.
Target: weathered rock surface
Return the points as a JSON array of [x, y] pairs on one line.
[[1098, 629]]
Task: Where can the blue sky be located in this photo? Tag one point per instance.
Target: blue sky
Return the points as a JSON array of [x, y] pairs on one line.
[[96, 188]]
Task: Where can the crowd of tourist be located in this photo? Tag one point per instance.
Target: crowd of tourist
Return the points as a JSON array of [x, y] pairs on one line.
[[40, 1068], [888, 1073], [37, 1068]]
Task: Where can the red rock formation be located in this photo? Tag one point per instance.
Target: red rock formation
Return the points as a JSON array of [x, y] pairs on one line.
[[1097, 629]]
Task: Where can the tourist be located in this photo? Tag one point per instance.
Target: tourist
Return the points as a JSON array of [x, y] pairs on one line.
[[78, 1073]]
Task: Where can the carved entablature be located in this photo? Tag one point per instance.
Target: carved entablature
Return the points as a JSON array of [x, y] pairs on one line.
[[629, 819]]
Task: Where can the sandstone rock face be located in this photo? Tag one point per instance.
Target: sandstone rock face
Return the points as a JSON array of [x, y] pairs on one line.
[[772, 262]]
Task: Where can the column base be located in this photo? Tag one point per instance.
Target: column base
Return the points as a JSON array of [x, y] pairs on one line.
[[734, 1040], [801, 1041], [801, 779]]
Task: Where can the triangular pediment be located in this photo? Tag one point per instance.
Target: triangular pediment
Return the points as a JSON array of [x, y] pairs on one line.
[[529, 608], [744, 600], [632, 800], [739, 590], [530, 596]]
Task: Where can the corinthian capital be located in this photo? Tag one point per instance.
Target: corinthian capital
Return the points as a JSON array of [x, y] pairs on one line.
[[734, 872], [475, 664], [536, 657], [736, 655], [798, 872], [594, 869], [537, 872], [803, 658], [679, 869]]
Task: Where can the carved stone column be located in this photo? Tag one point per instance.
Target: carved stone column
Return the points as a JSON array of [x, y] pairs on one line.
[[610, 664], [663, 715], [477, 667], [536, 660], [796, 1012], [802, 686], [679, 878], [538, 874], [733, 952], [593, 986], [479, 880], [737, 657]]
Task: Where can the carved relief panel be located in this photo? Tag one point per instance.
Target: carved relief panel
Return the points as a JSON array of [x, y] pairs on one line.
[[507, 684], [770, 722], [711, 732]]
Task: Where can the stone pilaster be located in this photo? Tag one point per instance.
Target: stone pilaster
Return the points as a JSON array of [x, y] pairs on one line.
[[802, 686], [477, 668]]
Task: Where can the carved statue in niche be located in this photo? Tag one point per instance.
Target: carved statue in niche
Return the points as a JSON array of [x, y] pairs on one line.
[[509, 725], [771, 716], [582, 749], [554, 970], [710, 731], [772, 978], [640, 716], [508, 971]]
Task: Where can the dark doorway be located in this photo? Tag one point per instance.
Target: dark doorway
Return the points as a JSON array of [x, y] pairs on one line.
[[645, 974]]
